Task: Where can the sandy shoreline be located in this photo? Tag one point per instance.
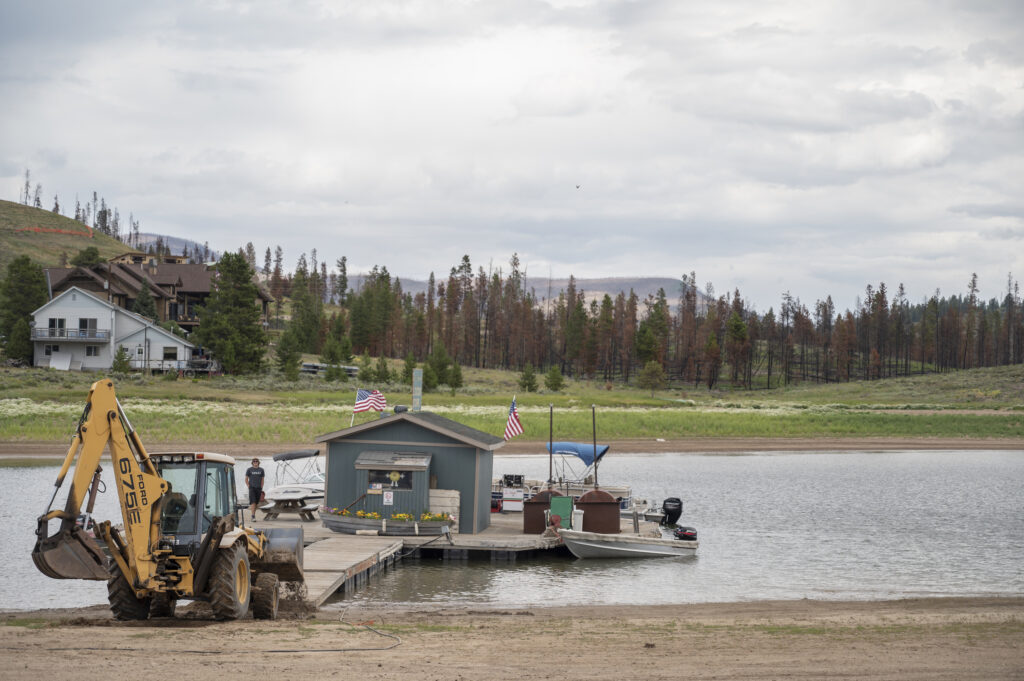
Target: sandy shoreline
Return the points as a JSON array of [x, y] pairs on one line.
[[935, 638], [34, 449]]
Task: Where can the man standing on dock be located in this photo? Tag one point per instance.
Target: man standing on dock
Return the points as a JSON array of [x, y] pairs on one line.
[[254, 479]]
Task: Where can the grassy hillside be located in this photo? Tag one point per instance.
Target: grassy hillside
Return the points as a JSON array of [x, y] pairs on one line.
[[983, 404], [45, 247]]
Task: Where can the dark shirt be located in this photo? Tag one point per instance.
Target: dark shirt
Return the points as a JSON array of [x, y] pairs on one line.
[[255, 477]]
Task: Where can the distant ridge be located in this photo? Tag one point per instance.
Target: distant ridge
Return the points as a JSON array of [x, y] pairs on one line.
[[175, 243], [593, 289]]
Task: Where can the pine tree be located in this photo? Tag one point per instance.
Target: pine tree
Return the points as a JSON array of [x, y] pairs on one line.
[[121, 363], [407, 368], [87, 257], [22, 291], [331, 356], [455, 376], [553, 379], [341, 285], [367, 374], [382, 372], [430, 382], [277, 276], [439, 362], [528, 379], [287, 354], [19, 343], [250, 254], [231, 325], [144, 304], [652, 377]]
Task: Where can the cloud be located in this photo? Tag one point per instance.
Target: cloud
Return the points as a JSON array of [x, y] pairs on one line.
[[770, 146]]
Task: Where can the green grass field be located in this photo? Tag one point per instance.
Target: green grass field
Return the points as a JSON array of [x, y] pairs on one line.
[[38, 404]]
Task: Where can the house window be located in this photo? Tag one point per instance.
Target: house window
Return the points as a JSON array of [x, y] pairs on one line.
[[92, 351], [56, 327], [170, 353], [86, 328], [50, 349], [139, 351]]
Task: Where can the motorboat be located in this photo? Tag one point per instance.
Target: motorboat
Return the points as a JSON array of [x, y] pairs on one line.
[[596, 545], [667, 514], [298, 479]]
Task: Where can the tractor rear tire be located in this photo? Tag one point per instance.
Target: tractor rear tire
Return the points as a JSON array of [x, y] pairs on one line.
[[162, 605], [123, 602], [266, 595], [230, 585]]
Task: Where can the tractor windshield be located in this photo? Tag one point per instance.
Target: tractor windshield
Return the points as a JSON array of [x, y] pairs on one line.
[[179, 514]]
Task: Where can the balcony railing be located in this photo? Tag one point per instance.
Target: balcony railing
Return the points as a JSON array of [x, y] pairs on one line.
[[71, 334]]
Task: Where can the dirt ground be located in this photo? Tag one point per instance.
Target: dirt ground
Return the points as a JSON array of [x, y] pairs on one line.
[[934, 639], [634, 446]]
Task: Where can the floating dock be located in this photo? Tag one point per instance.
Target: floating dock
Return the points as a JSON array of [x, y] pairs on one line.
[[346, 562], [336, 562]]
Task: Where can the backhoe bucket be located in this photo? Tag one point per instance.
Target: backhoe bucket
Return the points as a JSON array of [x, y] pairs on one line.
[[70, 554]]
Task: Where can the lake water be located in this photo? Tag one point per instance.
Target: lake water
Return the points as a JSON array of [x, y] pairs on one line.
[[851, 525]]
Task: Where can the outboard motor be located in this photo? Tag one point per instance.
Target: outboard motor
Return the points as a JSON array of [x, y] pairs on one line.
[[672, 508], [685, 533]]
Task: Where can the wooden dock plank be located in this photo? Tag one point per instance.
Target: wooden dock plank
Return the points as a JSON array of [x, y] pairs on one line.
[[330, 563]]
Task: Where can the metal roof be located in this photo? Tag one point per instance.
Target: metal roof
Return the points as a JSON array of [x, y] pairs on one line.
[[428, 420], [393, 461]]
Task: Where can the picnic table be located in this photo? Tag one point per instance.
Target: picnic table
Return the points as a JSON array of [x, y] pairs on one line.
[[305, 511]]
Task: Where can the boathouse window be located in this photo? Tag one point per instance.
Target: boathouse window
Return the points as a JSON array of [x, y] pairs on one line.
[[390, 480], [392, 470], [170, 352]]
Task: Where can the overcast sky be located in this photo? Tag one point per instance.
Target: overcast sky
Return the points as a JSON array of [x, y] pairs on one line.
[[810, 147]]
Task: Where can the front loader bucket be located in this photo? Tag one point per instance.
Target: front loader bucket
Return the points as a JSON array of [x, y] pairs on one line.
[[283, 554], [70, 554]]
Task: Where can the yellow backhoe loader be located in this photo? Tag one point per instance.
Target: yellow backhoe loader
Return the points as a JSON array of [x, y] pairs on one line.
[[182, 535]]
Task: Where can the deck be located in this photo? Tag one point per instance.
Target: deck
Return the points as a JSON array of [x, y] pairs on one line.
[[341, 562]]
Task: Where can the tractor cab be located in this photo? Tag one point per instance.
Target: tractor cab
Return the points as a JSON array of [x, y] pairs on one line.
[[202, 489]]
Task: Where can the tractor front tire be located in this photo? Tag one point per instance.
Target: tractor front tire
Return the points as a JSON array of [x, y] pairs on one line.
[[162, 605], [123, 602], [230, 585], [265, 596]]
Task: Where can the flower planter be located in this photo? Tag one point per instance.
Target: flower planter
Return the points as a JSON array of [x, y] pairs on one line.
[[406, 528]]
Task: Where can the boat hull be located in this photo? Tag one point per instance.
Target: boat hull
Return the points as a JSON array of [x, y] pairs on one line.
[[596, 545]]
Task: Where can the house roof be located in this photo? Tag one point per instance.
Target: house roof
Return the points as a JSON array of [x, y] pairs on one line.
[[428, 420], [120, 310], [187, 277], [119, 278]]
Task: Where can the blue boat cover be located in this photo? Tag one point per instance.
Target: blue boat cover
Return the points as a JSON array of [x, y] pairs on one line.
[[583, 450]]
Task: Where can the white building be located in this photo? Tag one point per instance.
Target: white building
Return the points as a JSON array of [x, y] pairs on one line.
[[77, 330]]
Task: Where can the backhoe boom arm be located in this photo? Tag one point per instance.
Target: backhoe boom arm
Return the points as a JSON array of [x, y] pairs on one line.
[[71, 553]]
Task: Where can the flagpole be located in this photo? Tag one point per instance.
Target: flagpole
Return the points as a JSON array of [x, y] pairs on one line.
[[593, 420], [551, 444], [352, 422]]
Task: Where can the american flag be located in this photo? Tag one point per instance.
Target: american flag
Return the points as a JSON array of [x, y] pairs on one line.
[[369, 399], [513, 427]]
